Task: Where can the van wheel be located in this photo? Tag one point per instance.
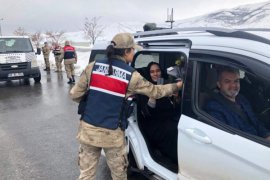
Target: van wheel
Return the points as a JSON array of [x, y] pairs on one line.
[[37, 79]]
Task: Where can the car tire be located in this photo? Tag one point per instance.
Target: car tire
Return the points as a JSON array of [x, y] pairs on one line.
[[37, 79]]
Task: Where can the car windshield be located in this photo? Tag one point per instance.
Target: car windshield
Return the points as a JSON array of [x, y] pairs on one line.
[[13, 45]]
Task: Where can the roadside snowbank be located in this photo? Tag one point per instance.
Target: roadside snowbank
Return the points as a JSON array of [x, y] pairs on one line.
[[83, 58]]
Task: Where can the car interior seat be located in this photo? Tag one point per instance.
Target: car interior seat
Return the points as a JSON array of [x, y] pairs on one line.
[[208, 84]]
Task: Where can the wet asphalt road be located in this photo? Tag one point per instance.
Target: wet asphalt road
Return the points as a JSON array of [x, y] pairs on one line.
[[38, 125]]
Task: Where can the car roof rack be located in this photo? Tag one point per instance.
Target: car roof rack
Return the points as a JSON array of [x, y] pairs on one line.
[[255, 29], [222, 32]]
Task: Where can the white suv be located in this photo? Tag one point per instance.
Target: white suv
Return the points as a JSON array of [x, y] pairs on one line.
[[207, 148]]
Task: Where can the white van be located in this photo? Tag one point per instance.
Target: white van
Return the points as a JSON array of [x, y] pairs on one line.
[[18, 59]]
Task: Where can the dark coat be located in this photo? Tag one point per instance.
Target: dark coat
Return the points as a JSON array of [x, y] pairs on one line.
[[222, 109], [160, 125]]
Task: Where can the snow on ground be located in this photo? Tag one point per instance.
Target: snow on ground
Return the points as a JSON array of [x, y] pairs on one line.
[[83, 58]]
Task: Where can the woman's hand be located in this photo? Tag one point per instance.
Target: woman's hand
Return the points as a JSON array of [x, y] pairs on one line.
[[179, 84], [152, 102], [176, 94]]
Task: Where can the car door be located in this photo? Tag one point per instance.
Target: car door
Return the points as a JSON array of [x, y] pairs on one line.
[[153, 50], [208, 149]]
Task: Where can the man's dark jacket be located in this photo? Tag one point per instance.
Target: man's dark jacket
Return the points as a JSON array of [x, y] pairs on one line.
[[220, 108]]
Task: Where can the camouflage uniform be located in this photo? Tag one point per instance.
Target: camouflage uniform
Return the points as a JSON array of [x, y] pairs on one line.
[[57, 51], [92, 139], [69, 63], [46, 54], [69, 67]]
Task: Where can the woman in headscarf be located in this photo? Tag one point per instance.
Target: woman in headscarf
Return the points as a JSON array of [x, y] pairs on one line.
[[161, 116]]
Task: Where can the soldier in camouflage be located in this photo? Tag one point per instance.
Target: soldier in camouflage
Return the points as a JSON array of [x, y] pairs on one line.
[[57, 50], [70, 58], [91, 135], [46, 54]]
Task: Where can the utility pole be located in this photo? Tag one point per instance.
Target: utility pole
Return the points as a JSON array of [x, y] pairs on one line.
[[0, 26], [170, 17]]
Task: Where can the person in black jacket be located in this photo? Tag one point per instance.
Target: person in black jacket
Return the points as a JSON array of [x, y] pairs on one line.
[[161, 116], [231, 108]]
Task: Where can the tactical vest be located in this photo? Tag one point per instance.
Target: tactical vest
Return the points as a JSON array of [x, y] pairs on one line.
[[106, 99], [69, 52], [57, 51]]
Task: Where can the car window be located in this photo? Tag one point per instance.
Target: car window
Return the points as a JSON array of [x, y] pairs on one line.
[[13, 45], [173, 60], [97, 55], [142, 60], [250, 113]]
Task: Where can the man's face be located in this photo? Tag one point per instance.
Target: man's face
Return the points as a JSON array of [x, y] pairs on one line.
[[229, 85]]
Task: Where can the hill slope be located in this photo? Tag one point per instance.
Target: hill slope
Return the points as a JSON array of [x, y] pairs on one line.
[[252, 15]]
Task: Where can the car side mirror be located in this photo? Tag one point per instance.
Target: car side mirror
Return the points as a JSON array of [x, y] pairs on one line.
[[38, 51]]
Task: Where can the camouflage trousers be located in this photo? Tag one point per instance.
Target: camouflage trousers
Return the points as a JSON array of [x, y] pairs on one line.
[[58, 63], [47, 62], [116, 159], [69, 70]]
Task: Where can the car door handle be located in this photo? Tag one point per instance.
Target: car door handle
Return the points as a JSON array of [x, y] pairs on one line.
[[198, 135]]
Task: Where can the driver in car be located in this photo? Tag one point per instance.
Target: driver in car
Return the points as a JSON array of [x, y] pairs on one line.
[[232, 108]]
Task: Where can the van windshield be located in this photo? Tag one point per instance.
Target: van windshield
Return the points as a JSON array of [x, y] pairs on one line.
[[13, 45]]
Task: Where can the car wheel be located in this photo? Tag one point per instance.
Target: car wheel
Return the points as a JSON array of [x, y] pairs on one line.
[[37, 79]]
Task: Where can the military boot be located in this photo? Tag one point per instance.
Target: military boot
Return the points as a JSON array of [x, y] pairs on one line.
[[73, 79], [70, 81], [47, 69]]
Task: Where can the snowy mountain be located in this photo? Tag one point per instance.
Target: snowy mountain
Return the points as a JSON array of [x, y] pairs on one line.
[[247, 16]]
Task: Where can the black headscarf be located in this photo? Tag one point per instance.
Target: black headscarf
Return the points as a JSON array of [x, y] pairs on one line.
[[148, 77]]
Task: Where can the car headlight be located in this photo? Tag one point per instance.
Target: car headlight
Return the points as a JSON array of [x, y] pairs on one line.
[[34, 63]]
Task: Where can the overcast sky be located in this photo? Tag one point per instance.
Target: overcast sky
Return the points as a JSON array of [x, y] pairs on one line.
[[69, 15]]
